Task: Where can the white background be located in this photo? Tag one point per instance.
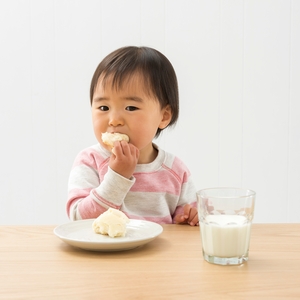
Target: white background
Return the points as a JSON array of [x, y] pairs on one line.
[[238, 66]]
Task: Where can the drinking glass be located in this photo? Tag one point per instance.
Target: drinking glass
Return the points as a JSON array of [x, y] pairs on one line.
[[225, 219]]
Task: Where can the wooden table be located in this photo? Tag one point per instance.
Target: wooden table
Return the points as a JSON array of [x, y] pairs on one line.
[[35, 264]]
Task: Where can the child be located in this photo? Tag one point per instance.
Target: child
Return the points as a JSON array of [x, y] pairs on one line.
[[134, 92]]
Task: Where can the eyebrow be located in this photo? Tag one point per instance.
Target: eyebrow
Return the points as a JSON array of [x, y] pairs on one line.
[[98, 99], [132, 98]]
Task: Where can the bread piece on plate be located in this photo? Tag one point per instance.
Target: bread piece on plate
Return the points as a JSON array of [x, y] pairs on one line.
[[112, 222]]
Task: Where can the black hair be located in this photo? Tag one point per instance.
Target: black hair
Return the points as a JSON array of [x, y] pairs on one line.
[[156, 70]]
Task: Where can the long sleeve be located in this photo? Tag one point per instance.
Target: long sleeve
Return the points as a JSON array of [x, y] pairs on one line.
[[187, 194], [157, 192], [93, 187]]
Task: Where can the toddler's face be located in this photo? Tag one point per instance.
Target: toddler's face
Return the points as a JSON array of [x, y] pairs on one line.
[[129, 109]]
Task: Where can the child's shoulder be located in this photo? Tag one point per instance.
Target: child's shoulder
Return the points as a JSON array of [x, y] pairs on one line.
[[91, 154], [91, 150], [173, 162]]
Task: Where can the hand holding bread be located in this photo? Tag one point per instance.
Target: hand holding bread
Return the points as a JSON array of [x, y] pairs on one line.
[[125, 155]]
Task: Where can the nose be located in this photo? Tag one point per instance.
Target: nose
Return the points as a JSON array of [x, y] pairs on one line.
[[115, 119]]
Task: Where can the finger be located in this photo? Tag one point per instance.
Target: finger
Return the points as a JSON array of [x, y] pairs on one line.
[[179, 219], [116, 150], [137, 153], [193, 218], [208, 205], [121, 148], [125, 148], [193, 213], [186, 210], [133, 150]]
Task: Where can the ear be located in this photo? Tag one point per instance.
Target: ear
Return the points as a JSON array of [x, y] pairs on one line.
[[166, 117]]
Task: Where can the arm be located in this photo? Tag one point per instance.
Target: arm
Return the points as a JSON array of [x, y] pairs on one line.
[[186, 211], [91, 193], [88, 199]]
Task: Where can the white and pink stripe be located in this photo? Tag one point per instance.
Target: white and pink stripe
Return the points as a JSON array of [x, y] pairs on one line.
[[157, 192]]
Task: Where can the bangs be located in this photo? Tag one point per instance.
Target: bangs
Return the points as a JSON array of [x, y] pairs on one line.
[[118, 79], [122, 65]]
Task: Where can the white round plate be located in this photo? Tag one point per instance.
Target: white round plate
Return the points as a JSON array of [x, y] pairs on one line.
[[80, 234]]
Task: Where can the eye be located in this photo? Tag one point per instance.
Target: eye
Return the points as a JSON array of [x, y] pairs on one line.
[[103, 108], [131, 108]]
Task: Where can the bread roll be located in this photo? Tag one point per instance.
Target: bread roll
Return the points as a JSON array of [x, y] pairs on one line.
[[109, 138], [112, 222]]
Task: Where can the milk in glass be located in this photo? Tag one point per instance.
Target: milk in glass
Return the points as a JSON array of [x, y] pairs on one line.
[[225, 235]]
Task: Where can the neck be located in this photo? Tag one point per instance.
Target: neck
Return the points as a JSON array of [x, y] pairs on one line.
[[147, 154]]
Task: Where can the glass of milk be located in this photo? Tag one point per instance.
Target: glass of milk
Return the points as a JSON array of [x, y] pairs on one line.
[[225, 218]]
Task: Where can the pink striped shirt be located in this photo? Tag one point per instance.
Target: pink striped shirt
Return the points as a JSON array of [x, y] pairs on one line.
[[157, 191]]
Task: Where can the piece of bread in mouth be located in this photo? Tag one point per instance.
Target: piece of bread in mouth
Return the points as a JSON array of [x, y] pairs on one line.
[[110, 138]]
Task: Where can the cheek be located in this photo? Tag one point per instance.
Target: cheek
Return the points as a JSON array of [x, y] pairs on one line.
[[97, 120], [97, 126], [143, 133]]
